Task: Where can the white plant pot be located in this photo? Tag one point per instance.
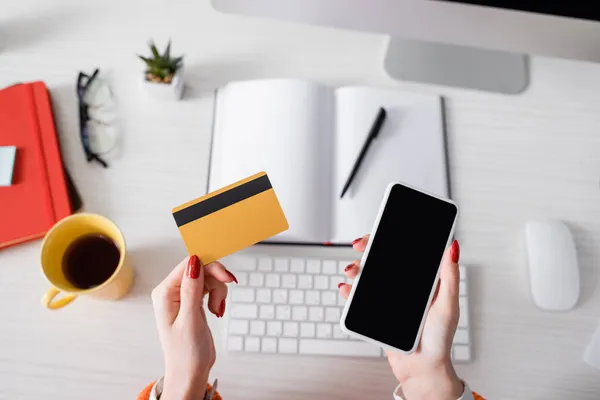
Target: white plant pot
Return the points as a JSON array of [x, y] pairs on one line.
[[165, 91]]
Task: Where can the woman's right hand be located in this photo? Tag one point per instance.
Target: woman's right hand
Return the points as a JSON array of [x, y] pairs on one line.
[[428, 373], [185, 336]]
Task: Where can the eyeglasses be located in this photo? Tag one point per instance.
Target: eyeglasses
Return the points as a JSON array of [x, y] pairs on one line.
[[97, 113]]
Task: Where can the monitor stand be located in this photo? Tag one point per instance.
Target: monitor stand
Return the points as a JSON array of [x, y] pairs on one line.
[[460, 66]]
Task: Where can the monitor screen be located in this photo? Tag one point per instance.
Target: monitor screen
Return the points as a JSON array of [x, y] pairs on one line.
[[582, 9]]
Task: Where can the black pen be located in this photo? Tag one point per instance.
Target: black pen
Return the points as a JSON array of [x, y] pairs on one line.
[[375, 129]]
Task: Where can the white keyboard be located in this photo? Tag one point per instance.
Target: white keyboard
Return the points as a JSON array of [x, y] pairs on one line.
[[292, 306]]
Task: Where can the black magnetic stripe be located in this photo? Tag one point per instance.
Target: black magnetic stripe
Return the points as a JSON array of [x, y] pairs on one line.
[[222, 200]]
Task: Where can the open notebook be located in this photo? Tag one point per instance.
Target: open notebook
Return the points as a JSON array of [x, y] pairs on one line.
[[307, 137]]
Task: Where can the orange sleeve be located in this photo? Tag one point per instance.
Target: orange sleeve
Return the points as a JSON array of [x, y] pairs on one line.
[[145, 393], [477, 396], [217, 396]]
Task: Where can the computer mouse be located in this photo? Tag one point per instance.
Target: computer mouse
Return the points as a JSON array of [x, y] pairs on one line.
[[553, 267]]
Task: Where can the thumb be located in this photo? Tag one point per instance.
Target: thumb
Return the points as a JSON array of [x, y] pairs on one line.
[[449, 275], [192, 288]]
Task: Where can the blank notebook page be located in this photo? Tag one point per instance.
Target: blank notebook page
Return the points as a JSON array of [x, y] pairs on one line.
[[282, 127], [410, 148]]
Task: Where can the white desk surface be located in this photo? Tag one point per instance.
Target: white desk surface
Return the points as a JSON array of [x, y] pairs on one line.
[[512, 159]]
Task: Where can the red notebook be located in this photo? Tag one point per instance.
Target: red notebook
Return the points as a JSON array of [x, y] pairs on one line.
[[38, 197]]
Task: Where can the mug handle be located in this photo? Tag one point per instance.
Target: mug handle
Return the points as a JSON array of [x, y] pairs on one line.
[[60, 303]]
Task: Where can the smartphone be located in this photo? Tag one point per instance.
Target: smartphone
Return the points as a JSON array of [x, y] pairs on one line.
[[400, 268]]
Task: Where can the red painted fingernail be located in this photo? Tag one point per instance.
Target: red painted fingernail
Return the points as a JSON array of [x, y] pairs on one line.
[[232, 276], [221, 309], [455, 251], [348, 267], [340, 284], [193, 267], [356, 241]]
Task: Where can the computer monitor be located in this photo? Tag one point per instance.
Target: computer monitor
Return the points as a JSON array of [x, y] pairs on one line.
[[478, 44]]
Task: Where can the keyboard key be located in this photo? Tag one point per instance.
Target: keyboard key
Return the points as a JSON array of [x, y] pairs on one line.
[[238, 327], [265, 264], [321, 282], [242, 278], [288, 281], [257, 279], [243, 295], [297, 266], [324, 331], [267, 312], [235, 343], [312, 297], [296, 297], [329, 298], [461, 353], [329, 267], [290, 329], [283, 313], [257, 328], [332, 314], [246, 264], [305, 282], [272, 280], [274, 328], [462, 288], [461, 336], [338, 348], [269, 345], [463, 272], [307, 330], [288, 345], [341, 300], [299, 313], [244, 311], [252, 344], [334, 281], [338, 333], [313, 266], [262, 295], [316, 314], [281, 265], [280, 296], [463, 320], [342, 266]]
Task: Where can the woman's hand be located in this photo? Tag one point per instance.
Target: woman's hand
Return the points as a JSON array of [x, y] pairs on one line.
[[428, 372], [184, 334]]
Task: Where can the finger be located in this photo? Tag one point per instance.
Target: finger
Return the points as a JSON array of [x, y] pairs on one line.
[[437, 291], [173, 280], [192, 289], [218, 270], [168, 292], [217, 294], [360, 244], [450, 276], [344, 289], [352, 269]]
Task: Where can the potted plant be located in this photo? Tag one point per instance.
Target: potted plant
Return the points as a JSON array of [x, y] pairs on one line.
[[163, 77]]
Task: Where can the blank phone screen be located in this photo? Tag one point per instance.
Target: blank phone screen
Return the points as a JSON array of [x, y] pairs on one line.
[[400, 270]]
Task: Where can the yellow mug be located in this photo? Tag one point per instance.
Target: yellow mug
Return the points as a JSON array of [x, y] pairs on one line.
[[56, 243]]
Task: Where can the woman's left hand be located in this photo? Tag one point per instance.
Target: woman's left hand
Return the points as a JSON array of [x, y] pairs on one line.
[[184, 333]]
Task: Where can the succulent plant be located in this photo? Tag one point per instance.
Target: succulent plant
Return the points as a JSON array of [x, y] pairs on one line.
[[161, 69]]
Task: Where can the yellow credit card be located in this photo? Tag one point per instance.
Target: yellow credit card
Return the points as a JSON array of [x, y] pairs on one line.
[[230, 219]]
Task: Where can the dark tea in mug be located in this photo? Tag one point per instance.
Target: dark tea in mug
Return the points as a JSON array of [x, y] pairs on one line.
[[90, 261]]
